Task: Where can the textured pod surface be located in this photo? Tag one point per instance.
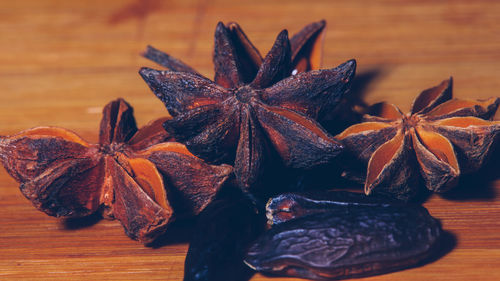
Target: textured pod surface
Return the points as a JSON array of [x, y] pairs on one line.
[[224, 231], [287, 206], [363, 241]]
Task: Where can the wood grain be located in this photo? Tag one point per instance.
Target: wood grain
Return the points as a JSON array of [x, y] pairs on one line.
[[61, 61]]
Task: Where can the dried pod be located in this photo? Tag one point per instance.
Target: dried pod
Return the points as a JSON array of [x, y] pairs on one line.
[[360, 242], [437, 141], [65, 176], [223, 233], [287, 206], [254, 109]]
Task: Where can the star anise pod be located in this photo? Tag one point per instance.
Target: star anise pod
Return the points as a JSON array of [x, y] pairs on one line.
[[437, 141], [124, 175], [242, 121]]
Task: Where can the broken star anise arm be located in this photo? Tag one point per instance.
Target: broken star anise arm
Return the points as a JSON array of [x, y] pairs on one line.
[[167, 61]]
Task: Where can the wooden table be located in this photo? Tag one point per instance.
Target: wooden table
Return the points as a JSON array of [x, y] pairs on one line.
[[61, 61]]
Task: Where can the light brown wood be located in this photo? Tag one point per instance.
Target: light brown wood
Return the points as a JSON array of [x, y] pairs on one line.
[[61, 61]]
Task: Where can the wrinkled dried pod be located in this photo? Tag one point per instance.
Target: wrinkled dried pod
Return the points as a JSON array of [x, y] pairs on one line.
[[223, 233], [287, 206], [363, 241]]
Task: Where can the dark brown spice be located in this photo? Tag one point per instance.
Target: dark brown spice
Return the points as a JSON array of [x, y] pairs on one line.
[[359, 241], [245, 116], [123, 176], [440, 138]]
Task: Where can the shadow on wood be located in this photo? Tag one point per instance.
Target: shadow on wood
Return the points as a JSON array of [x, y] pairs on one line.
[[79, 223], [479, 185], [178, 232]]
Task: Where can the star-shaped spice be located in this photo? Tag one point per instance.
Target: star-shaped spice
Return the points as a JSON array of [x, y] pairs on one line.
[[245, 121], [127, 175], [437, 141]]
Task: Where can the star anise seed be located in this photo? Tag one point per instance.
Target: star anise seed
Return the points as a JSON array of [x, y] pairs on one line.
[[124, 175], [232, 121], [440, 137]]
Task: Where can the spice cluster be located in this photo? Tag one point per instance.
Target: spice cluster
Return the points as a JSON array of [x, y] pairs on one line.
[[250, 136]]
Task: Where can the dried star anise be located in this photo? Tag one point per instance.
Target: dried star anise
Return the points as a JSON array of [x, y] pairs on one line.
[[124, 175], [243, 116], [440, 138]]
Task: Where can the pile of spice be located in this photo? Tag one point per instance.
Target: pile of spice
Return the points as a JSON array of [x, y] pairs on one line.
[[234, 149]]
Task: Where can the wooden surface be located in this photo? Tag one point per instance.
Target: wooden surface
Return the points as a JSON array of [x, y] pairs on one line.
[[61, 61]]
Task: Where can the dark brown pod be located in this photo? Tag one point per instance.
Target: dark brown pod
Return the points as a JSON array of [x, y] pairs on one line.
[[287, 206], [363, 241]]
